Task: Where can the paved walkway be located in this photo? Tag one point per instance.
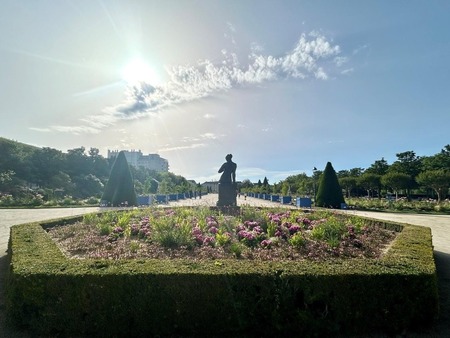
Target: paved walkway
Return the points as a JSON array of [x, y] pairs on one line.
[[439, 224]]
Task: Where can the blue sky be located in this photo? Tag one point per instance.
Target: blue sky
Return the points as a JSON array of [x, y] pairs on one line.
[[284, 86]]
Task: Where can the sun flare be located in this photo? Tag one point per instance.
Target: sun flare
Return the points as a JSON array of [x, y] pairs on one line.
[[138, 70]]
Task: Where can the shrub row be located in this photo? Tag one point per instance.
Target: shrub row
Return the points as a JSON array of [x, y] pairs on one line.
[[52, 294]]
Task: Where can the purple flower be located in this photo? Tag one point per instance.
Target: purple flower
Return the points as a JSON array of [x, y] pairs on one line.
[[293, 229], [118, 230], [143, 232], [134, 229], [239, 228], [196, 231], [258, 229], [198, 239], [251, 224], [208, 241], [213, 230], [266, 243], [305, 221]]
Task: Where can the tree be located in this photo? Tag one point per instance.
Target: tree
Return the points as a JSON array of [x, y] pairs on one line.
[[410, 164], [379, 167], [396, 181], [285, 189], [151, 186], [370, 182], [329, 193], [348, 183], [99, 164], [246, 185], [77, 162], [120, 187], [87, 185], [6, 178], [46, 163], [438, 180], [438, 161]]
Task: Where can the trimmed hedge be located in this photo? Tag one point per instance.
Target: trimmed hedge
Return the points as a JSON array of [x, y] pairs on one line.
[[52, 294]]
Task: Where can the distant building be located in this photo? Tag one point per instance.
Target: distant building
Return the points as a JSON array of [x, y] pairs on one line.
[[211, 186], [137, 159]]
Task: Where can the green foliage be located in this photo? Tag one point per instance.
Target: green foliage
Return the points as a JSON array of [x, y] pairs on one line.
[[271, 229], [399, 205], [91, 218], [104, 228], [56, 296], [237, 248], [297, 240], [120, 187], [329, 193], [438, 180], [172, 234], [396, 181], [370, 182], [222, 238]]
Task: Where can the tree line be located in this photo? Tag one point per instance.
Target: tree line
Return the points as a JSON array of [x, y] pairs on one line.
[[26, 171], [409, 175], [82, 173]]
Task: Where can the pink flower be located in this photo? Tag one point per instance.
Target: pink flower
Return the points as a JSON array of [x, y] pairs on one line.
[[258, 229], [239, 228], [293, 229], [208, 241], [266, 243]]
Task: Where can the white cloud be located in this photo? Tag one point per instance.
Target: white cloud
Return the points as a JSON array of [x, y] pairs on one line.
[[42, 130], [191, 146], [340, 60], [231, 27], [310, 57], [360, 48], [209, 136], [347, 71], [274, 176], [77, 130], [192, 142]]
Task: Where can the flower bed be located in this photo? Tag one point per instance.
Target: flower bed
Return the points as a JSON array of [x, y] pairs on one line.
[[53, 294], [207, 234]]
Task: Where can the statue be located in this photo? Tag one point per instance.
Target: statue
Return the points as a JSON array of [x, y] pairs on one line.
[[227, 183], [229, 170]]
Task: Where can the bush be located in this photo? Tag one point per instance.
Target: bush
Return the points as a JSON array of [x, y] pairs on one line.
[[329, 194], [120, 186], [54, 295]]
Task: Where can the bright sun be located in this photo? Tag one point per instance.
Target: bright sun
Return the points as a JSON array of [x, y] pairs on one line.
[[139, 71]]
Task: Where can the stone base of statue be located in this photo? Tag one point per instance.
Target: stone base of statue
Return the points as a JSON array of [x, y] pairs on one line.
[[227, 194]]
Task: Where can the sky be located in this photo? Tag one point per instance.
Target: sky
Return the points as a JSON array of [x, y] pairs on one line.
[[284, 86]]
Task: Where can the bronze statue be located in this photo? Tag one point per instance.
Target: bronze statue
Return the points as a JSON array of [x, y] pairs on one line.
[[229, 171], [227, 183]]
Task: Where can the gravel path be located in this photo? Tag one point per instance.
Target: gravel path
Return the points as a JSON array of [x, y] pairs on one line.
[[439, 224]]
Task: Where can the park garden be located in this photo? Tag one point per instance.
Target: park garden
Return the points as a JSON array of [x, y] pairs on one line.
[[220, 270], [46, 177]]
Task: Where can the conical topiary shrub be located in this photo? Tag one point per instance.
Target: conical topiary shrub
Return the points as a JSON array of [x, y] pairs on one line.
[[120, 187], [329, 194]]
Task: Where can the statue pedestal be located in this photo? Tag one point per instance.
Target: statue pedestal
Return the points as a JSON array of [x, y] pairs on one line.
[[227, 194]]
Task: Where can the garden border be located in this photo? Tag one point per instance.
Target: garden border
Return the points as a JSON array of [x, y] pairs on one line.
[[52, 294]]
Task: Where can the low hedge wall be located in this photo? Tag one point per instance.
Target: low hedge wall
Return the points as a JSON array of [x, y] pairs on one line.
[[53, 295]]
